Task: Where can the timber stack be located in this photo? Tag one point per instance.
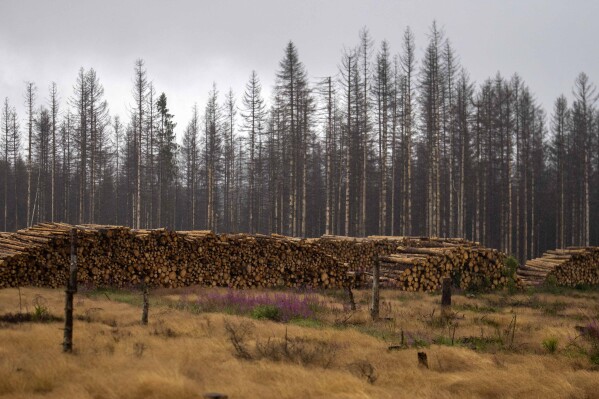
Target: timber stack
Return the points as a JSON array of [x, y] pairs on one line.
[[358, 253], [422, 264], [570, 267], [419, 263], [120, 257]]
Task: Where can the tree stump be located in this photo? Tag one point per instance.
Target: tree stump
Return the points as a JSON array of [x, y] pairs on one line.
[[215, 395], [446, 293], [422, 359]]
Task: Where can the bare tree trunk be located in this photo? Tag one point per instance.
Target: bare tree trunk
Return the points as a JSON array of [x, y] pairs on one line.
[[365, 45], [67, 345], [7, 134], [15, 158], [304, 173], [509, 194], [328, 149], [347, 180], [374, 306], [30, 98], [586, 215], [525, 206], [54, 109], [394, 116]]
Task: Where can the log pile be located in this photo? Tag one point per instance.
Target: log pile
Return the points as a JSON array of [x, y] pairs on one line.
[[422, 265], [570, 267], [119, 256], [419, 263], [358, 253]]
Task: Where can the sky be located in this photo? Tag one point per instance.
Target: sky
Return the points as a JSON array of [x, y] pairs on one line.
[[189, 45]]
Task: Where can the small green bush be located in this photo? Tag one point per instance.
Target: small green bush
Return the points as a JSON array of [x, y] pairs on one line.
[[550, 281], [511, 265], [479, 285], [550, 344], [40, 312], [420, 343], [269, 312], [443, 340]]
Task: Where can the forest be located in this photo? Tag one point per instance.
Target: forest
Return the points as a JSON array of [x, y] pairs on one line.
[[389, 144]]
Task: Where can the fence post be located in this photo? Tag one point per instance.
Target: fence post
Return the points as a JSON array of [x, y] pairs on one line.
[[446, 293], [215, 395], [376, 269], [446, 298], [352, 302], [146, 306], [67, 344]]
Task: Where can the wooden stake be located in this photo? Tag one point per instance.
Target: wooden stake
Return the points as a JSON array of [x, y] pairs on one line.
[[146, 306], [215, 395], [422, 359], [352, 302], [446, 298], [446, 293], [67, 344], [376, 269]]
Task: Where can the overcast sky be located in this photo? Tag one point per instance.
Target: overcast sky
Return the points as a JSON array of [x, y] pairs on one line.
[[187, 45]]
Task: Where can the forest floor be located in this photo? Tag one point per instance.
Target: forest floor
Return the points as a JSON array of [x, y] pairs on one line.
[[285, 344]]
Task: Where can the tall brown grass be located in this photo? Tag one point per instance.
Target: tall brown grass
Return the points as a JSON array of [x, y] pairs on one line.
[[182, 354]]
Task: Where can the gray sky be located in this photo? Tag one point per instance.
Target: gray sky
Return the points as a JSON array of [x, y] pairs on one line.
[[187, 45]]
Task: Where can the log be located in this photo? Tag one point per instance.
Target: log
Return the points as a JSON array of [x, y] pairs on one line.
[[569, 267]]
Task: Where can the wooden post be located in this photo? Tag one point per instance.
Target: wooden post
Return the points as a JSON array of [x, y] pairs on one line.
[[376, 269], [67, 344], [446, 293], [146, 306], [352, 302], [215, 395], [422, 359], [446, 298]]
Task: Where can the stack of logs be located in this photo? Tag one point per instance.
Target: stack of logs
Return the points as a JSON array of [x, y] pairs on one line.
[[570, 267], [420, 263], [359, 253], [119, 256]]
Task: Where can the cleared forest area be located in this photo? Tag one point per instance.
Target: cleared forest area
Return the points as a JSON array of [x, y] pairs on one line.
[[533, 344]]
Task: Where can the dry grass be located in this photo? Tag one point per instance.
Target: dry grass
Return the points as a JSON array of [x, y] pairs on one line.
[[182, 354]]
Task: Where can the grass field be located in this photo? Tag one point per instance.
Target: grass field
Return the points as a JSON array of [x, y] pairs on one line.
[[496, 345]]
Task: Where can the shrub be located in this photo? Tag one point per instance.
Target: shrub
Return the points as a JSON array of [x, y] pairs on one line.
[[289, 305], [300, 350], [510, 266], [238, 333], [269, 312], [304, 351], [592, 335], [550, 281], [364, 369], [479, 284], [550, 345], [40, 313], [443, 340], [40, 310]]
